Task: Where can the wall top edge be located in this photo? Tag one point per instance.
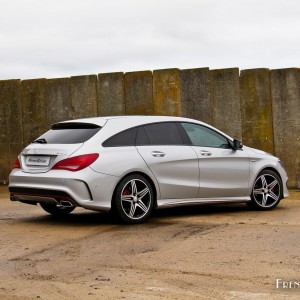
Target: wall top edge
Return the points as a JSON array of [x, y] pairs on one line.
[[157, 70]]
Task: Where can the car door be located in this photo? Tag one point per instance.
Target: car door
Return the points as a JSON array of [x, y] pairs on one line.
[[224, 172], [174, 164]]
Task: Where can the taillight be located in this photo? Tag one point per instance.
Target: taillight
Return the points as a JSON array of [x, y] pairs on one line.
[[17, 164], [76, 163]]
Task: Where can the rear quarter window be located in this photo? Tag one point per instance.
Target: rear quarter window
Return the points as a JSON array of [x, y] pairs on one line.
[[124, 138]]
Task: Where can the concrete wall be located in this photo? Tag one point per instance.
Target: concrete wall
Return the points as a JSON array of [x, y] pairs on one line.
[[256, 108], [285, 93], [225, 101], [11, 126], [259, 106]]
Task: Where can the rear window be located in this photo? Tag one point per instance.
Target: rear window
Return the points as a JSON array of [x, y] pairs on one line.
[[68, 133]]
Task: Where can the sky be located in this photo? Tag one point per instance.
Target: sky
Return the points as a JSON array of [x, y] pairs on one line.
[[62, 38]]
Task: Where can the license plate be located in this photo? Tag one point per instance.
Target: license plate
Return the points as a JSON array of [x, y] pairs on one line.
[[37, 160]]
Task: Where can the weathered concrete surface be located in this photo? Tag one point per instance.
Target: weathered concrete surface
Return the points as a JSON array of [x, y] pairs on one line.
[[139, 93], [84, 96], [34, 108], [195, 94], [58, 99], [214, 99], [256, 105], [167, 92], [225, 101], [199, 252], [285, 89], [11, 139], [110, 94], [15, 123]]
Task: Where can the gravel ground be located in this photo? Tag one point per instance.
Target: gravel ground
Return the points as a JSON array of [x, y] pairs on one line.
[[199, 252]]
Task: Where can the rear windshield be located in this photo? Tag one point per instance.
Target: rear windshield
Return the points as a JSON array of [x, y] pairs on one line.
[[68, 133]]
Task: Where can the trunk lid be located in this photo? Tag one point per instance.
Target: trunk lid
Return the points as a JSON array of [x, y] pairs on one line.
[[40, 158]]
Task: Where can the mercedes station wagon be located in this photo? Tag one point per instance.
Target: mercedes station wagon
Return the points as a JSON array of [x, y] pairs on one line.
[[130, 165]]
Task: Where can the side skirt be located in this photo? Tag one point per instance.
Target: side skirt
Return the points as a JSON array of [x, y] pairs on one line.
[[164, 203]]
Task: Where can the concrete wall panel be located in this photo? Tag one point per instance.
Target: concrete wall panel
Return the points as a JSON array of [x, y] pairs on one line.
[[167, 92], [110, 94], [225, 101], [84, 96], [11, 138], [34, 107], [285, 90], [139, 93], [256, 105], [58, 99], [195, 94]]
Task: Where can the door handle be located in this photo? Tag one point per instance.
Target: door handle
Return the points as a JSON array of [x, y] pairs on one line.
[[205, 153], [158, 154]]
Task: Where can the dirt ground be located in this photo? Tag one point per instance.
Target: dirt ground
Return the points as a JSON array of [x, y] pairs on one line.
[[199, 252]]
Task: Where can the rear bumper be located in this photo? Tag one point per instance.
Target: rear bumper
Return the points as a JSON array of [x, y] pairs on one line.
[[87, 188], [34, 195]]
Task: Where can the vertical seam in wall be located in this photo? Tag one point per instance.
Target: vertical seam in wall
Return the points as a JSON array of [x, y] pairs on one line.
[[124, 96], [271, 98]]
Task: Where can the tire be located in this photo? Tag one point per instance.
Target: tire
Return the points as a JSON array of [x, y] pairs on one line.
[[56, 211], [133, 199], [266, 192]]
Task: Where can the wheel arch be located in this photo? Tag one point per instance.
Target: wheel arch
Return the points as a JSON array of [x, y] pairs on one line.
[[256, 170], [279, 176], [142, 174], [270, 168]]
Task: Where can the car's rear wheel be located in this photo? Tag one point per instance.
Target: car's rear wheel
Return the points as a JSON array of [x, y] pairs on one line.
[[56, 210], [134, 198], [267, 191]]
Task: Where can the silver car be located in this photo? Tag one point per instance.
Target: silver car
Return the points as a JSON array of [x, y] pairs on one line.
[[130, 165]]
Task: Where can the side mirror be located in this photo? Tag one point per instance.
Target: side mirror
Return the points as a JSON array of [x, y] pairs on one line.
[[237, 144]]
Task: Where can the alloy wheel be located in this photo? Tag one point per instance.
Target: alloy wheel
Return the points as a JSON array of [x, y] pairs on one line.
[[136, 199], [266, 190]]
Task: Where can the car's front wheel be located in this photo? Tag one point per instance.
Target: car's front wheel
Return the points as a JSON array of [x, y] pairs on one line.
[[267, 191], [56, 210], [134, 198]]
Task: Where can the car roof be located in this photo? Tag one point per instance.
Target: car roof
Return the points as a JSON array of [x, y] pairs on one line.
[[129, 120], [125, 122]]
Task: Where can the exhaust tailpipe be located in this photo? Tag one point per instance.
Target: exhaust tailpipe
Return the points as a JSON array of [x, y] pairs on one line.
[[66, 203]]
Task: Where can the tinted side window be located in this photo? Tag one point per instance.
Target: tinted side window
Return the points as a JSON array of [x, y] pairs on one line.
[[124, 138], [142, 137], [206, 137], [163, 134]]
